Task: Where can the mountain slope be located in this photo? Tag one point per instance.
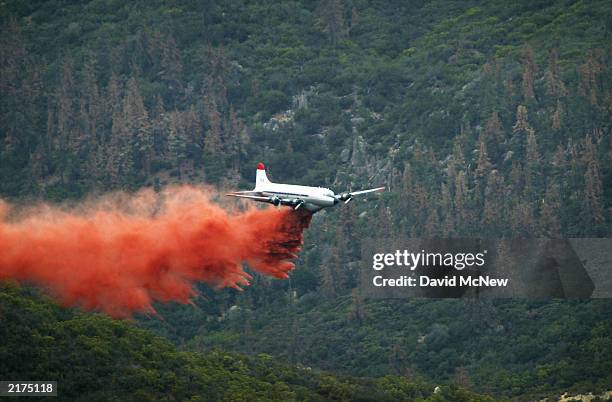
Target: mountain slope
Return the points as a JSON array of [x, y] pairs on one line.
[[523, 349], [95, 358]]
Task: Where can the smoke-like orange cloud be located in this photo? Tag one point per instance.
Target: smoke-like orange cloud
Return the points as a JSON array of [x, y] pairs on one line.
[[122, 253]]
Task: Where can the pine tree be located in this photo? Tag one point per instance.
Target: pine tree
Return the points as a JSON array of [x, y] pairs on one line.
[[589, 73], [397, 358], [575, 161], [432, 223], [94, 106], [494, 133], [384, 225], [328, 286], [171, 63], [483, 165], [98, 161], [295, 347], [517, 177], [493, 219], [509, 90], [407, 179], [351, 239], [213, 142], [194, 135], [455, 163], [557, 117], [177, 145], [358, 311], [483, 168], [83, 125], [522, 218], [532, 170], [236, 139], [14, 53], [554, 85], [406, 203], [522, 124], [529, 71], [113, 96], [331, 17], [354, 19], [559, 159], [47, 143], [432, 215], [462, 217], [560, 167], [493, 82], [66, 108], [505, 263], [550, 224], [119, 160], [339, 259], [494, 128], [139, 126], [448, 212], [421, 204], [159, 124], [462, 377], [592, 213]]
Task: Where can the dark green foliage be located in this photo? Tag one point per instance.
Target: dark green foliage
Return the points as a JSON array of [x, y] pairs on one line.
[[93, 357], [425, 71], [507, 348]]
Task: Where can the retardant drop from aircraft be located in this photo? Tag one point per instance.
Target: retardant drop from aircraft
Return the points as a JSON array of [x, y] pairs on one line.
[[122, 253]]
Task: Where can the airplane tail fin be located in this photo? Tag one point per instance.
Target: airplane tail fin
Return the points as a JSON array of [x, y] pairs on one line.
[[261, 178]]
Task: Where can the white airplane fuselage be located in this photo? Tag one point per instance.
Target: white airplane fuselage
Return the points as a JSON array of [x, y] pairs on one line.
[[314, 198], [296, 196]]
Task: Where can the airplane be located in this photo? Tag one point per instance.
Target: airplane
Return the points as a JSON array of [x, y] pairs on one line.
[[311, 198]]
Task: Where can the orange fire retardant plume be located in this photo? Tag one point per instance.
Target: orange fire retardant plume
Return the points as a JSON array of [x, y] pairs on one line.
[[122, 253]]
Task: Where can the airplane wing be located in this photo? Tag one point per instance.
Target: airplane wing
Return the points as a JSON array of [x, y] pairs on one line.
[[246, 192], [372, 190], [249, 196], [293, 202]]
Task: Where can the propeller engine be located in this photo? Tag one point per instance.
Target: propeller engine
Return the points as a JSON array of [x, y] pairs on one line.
[[346, 197], [298, 204]]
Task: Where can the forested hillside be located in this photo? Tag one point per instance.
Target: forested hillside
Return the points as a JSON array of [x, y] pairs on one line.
[[482, 118], [529, 350], [93, 357], [478, 116]]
